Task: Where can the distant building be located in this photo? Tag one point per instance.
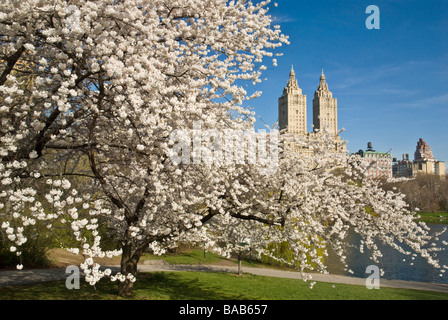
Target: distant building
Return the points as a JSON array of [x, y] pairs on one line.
[[292, 115], [424, 163], [379, 164], [403, 168]]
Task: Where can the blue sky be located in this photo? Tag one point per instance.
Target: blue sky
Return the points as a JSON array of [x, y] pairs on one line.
[[391, 84]]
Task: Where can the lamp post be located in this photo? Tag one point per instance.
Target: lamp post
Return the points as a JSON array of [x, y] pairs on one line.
[[246, 242]]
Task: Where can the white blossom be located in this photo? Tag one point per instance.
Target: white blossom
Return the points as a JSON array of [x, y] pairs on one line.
[[33, 154]]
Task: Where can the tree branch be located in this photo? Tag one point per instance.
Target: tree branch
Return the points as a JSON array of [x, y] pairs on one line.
[[255, 218], [11, 62]]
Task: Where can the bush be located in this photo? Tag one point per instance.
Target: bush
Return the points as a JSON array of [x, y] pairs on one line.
[[34, 251]]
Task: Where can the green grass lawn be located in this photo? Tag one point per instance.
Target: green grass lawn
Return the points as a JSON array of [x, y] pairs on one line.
[[434, 217], [214, 286]]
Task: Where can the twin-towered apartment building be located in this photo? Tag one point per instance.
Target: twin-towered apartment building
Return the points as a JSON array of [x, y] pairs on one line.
[[292, 113]]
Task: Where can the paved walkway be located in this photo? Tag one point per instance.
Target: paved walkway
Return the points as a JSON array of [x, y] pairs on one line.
[[32, 276]]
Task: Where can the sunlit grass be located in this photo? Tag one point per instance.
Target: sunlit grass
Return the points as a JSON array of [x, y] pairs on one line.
[[195, 256]]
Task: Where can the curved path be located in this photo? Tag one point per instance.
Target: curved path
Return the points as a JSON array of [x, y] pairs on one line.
[[32, 276]]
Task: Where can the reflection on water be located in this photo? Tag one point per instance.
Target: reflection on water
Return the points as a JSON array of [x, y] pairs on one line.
[[392, 262]]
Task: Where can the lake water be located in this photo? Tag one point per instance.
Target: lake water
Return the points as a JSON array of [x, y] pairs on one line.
[[392, 263]]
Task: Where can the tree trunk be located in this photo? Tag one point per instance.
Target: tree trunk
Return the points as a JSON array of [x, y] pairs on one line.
[[128, 266]]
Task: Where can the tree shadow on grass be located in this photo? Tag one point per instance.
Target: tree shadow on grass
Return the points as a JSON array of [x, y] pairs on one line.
[[149, 286], [171, 286], [57, 290]]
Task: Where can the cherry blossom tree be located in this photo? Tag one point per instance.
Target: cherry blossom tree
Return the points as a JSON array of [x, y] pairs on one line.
[[91, 93], [109, 81], [312, 203]]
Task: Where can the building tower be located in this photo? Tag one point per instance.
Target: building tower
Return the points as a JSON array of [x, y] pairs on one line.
[[423, 151], [424, 161], [325, 108], [292, 107]]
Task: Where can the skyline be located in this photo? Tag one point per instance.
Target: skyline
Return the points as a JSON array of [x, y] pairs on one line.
[[391, 84]]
